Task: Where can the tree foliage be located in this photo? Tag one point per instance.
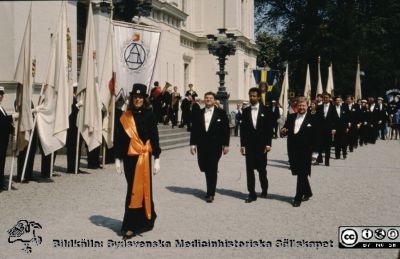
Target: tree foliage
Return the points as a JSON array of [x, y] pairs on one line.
[[340, 31]]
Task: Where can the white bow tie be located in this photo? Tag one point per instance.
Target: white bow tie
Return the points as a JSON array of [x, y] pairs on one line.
[[254, 107], [208, 109]]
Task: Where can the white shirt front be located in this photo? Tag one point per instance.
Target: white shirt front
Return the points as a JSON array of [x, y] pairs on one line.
[[338, 110], [208, 112], [2, 110], [372, 107], [254, 114], [297, 123], [326, 108]]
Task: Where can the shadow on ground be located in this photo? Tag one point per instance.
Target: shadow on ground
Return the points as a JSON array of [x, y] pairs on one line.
[[187, 190], [106, 222]]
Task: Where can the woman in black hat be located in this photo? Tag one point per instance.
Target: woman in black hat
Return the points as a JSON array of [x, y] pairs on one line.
[[136, 140]]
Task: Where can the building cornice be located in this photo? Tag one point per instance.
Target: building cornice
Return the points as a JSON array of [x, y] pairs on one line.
[[169, 9]]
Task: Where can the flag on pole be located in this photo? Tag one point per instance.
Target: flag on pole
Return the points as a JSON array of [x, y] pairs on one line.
[[319, 85], [329, 85], [357, 92], [283, 99], [307, 87], [136, 48], [23, 76], [89, 115], [53, 115], [107, 88]]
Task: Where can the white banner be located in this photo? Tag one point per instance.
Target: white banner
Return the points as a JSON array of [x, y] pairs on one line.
[[136, 51]]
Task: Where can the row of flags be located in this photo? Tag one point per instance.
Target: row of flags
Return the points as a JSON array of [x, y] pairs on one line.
[[130, 57], [307, 87]]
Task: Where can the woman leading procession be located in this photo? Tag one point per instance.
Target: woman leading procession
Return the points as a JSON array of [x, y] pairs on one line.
[[136, 140]]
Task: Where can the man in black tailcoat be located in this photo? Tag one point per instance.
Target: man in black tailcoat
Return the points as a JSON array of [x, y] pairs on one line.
[[382, 116], [354, 116], [186, 113], [302, 131], [255, 142], [342, 128], [6, 128], [326, 119], [209, 138]]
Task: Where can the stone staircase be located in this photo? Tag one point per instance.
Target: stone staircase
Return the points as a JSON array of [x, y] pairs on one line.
[[173, 137]]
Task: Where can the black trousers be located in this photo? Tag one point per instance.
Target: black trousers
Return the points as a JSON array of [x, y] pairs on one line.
[[3, 153], [46, 163], [303, 187], [94, 158], [174, 115], [71, 153], [211, 181], [340, 144], [256, 160], [31, 158], [381, 130], [364, 131], [251, 181], [325, 148]]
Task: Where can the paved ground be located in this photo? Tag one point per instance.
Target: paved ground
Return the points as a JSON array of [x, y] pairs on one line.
[[362, 190]]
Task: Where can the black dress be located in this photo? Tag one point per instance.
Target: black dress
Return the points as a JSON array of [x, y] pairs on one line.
[[146, 124]]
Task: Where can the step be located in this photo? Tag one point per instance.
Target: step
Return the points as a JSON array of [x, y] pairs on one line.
[[166, 136], [163, 130], [173, 141], [169, 147]]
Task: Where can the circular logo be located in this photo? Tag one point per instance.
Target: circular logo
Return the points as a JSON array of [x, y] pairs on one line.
[[135, 56], [392, 234], [367, 234], [349, 237], [380, 233]]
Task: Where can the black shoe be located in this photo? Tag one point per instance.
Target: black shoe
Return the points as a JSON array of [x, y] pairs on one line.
[[250, 199], [316, 163], [128, 235], [344, 156], [263, 195], [296, 203], [210, 199], [327, 163], [306, 197]]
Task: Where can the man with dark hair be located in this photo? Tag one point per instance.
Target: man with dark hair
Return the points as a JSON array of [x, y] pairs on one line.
[[302, 142], [155, 100], [326, 117], [276, 115], [255, 142], [354, 116], [342, 124], [209, 138], [186, 113], [176, 97], [381, 117], [191, 91]]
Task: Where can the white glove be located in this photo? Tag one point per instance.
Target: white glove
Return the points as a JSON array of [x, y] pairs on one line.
[[156, 166], [15, 115], [193, 149], [118, 165], [79, 104], [38, 109]]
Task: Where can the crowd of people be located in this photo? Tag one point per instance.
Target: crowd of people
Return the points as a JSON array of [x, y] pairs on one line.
[[312, 128]]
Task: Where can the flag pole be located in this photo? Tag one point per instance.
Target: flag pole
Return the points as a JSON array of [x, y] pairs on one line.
[[78, 138], [51, 164], [104, 153], [14, 145], [32, 132]]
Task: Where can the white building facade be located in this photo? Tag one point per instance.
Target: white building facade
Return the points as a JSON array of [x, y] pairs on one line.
[[182, 58]]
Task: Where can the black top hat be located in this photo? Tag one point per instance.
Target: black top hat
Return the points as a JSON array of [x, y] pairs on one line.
[[139, 89]]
